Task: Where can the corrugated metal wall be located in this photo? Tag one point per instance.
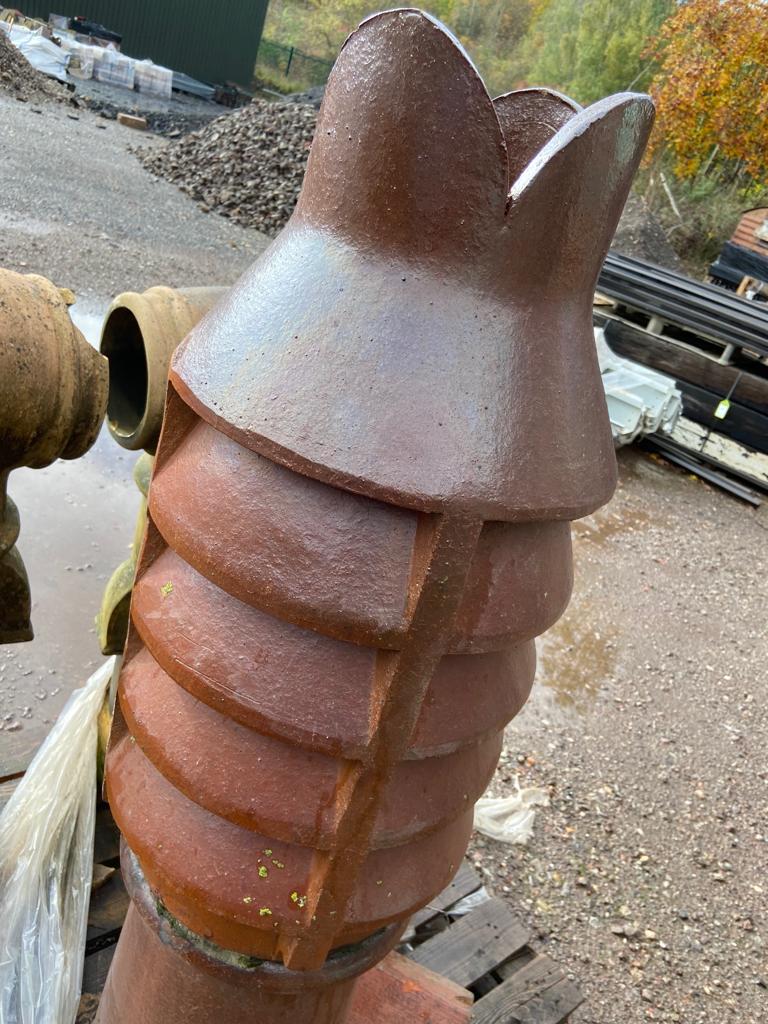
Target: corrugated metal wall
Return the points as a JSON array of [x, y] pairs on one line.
[[214, 41]]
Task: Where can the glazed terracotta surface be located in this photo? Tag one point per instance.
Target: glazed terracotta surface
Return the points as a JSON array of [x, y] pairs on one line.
[[139, 336], [359, 516]]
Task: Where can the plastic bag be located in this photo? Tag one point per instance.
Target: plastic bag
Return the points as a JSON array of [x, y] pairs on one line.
[[46, 863], [468, 903], [510, 818]]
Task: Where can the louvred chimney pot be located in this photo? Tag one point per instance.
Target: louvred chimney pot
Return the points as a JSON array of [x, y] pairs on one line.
[[359, 521]]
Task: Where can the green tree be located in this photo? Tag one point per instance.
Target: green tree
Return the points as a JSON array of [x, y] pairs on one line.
[[587, 48], [591, 48], [319, 27], [490, 30]]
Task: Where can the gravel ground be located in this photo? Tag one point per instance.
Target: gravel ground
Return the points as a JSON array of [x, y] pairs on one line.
[[647, 874], [175, 116], [76, 206]]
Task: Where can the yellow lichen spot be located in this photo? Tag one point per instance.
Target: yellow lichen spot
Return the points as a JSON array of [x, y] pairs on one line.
[[263, 872], [278, 864], [166, 589], [267, 853], [295, 897], [247, 899], [265, 912]]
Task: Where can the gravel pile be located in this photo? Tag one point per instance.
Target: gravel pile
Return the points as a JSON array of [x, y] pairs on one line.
[[21, 80], [247, 165]]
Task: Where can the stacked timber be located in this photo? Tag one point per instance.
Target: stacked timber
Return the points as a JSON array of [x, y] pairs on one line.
[[713, 343]]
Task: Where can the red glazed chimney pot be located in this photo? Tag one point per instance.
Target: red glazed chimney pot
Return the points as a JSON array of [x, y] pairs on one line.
[[359, 517]]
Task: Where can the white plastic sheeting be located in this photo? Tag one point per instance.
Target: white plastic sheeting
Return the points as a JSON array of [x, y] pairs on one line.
[[40, 52], [509, 819], [640, 401], [84, 57], [46, 864], [153, 79], [112, 67], [104, 63]]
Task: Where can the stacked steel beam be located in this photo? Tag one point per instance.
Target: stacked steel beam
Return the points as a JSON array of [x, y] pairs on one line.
[[680, 300]]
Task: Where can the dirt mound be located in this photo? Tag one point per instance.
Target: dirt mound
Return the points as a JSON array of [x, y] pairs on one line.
[[247, 165], [640, 234], [21, 80]]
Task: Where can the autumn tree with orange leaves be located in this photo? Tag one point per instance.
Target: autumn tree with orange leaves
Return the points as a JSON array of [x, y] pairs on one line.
[[712, 86]]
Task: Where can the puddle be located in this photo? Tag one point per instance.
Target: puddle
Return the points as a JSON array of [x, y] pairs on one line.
[[88, 318], [77, 520], [608, 522], [574, 659], [578, 654]]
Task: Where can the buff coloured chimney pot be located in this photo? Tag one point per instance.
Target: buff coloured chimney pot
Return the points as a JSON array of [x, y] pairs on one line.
[[138, 339], [53, 394], [139, 336]]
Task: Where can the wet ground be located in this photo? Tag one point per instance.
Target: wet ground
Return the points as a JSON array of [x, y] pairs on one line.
[[646, 876]]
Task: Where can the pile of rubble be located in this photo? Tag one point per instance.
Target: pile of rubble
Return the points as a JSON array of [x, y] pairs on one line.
[[247, 165], [171, 123], [21, 80]]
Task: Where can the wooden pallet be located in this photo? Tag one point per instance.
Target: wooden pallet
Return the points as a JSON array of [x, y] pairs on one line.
[[685, 337], [476, 968]]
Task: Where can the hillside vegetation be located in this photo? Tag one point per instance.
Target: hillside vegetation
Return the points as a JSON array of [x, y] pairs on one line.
[[705, 62]]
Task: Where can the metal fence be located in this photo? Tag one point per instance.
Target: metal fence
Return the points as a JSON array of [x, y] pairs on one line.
[[292, 63]]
